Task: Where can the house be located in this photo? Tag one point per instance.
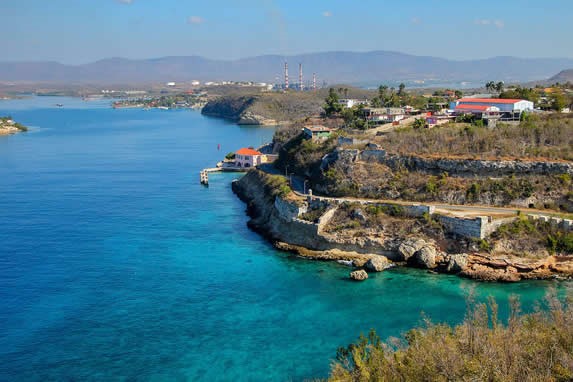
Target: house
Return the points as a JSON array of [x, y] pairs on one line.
[[478, 110], [384, 114], [247, 157], [317, 132]]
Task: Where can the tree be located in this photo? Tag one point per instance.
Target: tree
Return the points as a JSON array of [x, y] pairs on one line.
[[375, 102], [499, 86], [332, 106], [558, 101], [401, 88], [419, 123], [490, 86], [458, 94]]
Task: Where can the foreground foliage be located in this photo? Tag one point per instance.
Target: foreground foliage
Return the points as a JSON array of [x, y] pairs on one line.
[[529, 347]]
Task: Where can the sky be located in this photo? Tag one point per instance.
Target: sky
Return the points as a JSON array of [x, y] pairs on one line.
[[82, 31]]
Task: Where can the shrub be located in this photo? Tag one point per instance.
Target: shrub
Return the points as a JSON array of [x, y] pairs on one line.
[[529, 347]]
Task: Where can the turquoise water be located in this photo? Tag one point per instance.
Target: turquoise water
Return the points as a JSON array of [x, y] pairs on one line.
[[115, 264]]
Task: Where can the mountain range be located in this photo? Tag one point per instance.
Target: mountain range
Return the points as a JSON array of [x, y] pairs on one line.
[[333, 67]]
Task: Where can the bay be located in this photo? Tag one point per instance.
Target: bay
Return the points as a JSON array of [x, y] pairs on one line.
[[115, 264]]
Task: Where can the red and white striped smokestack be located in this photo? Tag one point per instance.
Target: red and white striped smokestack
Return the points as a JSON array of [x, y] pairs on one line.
[[314, 82], [300, 84], [286, 75]]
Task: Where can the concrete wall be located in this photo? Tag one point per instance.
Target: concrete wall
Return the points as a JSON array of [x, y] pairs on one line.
[[565, 224], [479, 227]]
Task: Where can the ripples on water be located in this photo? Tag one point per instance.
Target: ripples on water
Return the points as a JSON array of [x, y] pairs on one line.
[[116, 264]]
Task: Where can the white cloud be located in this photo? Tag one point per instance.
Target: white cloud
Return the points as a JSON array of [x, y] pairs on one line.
[[327, 13], [195, 20], [124, 1], [482, 22], [499, 24]]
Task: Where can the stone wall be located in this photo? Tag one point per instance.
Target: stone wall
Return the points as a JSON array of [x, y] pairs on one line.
[[565, 224], [479, 227]]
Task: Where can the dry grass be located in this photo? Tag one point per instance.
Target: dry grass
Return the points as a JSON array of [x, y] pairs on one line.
[[547, 137], [532, 347]]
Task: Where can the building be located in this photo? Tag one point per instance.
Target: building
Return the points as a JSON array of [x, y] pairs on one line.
[[317, 132], [384, 114], [247, 157], [504, 105], [349, 102]]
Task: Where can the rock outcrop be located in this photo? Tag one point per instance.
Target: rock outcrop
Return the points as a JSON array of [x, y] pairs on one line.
[[359, 275], [377, 264], [276, 218]]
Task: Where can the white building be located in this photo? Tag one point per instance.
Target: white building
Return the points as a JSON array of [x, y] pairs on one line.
[[504, 105], [349, 102]]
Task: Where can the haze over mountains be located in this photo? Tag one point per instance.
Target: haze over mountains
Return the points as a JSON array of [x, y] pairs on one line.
[[333, 67]]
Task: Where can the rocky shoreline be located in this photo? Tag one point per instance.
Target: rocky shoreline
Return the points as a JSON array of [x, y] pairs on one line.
[[276, 218]]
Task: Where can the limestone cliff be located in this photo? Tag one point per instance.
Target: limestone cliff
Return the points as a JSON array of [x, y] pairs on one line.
[[265, 108], [277, 217]]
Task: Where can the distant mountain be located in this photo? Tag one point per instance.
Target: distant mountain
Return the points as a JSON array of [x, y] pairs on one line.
[[562, 77], [333, 67]]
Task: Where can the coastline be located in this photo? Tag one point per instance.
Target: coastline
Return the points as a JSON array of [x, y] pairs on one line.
[[276, 217]]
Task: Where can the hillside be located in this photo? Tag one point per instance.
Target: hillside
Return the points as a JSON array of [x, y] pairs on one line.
[[332, 67], [562, 77], [264, 109]]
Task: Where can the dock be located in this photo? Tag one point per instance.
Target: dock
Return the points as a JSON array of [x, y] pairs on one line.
[[204, 174]]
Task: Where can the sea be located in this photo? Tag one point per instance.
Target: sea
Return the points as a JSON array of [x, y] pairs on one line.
[[117, 265]]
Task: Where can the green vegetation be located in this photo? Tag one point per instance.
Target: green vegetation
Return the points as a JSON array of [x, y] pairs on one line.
[[528, 347], [290, 106], [549, 137], [230, 156], [8, 122], [275, 185], [172, 101], [525, 237], [314, 214], [331, 105]]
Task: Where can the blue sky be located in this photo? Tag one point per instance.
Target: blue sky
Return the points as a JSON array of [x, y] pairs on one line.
[[80, 31]]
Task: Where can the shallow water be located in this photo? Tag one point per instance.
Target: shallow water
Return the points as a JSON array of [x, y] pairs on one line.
[[116, 264]]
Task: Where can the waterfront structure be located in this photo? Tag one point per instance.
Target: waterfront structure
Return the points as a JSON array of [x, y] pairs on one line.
[[247, 157], [317, 132]]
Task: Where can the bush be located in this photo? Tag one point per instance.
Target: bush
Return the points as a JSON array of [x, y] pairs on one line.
[[230, 156], [530, 347]]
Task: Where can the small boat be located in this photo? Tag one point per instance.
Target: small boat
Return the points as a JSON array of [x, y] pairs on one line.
[[60, 105]]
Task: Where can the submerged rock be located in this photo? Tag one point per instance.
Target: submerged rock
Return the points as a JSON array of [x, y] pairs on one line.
[[359, 275], [377, 264]]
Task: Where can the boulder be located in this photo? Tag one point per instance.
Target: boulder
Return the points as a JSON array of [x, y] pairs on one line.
[[425, 257], [359, 275], [377, 264], [457, 263], [410, 246]]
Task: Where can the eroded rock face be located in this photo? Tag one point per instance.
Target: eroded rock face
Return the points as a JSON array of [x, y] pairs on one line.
[[409, 247], [457, 263], [359, 275], [377, 264], [425, 257]]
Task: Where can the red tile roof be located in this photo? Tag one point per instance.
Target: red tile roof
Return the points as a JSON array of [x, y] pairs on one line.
[[473, 107], [245, 151], [489, 100]]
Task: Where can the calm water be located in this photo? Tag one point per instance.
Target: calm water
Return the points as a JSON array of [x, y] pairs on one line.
[[115, 264]]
